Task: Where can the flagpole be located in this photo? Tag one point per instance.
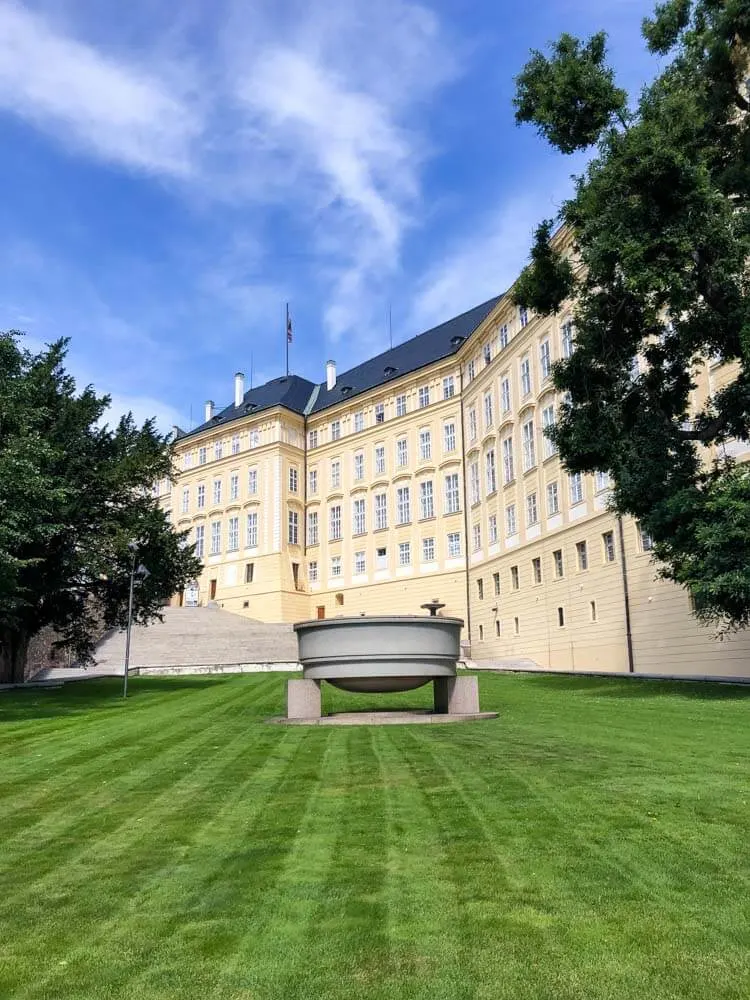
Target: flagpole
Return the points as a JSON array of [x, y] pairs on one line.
[[286, 338]]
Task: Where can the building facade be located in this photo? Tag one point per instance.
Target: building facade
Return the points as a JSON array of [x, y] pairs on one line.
[[426, 473]]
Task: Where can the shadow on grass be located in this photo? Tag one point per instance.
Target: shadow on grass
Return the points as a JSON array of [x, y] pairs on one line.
[[79, 696], [623, 687]]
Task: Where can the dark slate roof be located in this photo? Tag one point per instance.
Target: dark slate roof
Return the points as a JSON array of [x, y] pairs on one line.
[[439, 342], [291, 392], [299, 395]]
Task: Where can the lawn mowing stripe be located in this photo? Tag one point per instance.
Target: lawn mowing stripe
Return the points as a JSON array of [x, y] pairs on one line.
[[135, 928], [101, 814]]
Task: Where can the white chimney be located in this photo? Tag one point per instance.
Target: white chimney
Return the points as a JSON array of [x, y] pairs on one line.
[[209, 409], [330, 375], [239, 388]]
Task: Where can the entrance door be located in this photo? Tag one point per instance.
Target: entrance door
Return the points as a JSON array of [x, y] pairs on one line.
[[212, 590], [321, 611]]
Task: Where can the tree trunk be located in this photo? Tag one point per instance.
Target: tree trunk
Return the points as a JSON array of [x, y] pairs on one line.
[[14, 647]]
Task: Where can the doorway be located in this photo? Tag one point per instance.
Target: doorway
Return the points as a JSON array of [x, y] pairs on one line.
[[212, 590], [321, 611]]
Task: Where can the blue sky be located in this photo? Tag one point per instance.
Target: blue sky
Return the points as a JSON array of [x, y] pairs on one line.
[[173, 173]]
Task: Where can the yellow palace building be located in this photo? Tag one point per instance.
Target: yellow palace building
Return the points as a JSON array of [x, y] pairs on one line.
[[425, 473]]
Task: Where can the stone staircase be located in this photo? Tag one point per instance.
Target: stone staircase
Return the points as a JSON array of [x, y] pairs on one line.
[[200, 640]]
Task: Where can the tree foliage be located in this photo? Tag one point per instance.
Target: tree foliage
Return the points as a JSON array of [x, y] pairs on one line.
[[73, 493], [660, 224]]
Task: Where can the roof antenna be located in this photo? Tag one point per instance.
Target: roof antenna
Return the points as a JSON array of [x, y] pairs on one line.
[[390, 326]]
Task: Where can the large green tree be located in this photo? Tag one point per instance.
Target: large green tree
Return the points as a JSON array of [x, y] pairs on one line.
[[73, 494], [659, 283]]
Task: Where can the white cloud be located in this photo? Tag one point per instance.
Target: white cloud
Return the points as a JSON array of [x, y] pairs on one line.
[[144, 408], [117, 110]]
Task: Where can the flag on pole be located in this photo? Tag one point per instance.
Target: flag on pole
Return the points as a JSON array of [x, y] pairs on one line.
[[288, 328]]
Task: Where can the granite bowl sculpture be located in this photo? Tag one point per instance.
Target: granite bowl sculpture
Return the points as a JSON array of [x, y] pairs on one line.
[[379, 654]]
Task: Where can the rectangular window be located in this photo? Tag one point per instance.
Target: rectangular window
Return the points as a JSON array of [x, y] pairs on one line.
[[557, 561], [185, 499], [379, 460], [496, 584], [454, 544], [359, 421], [293, 525], [516, 626], [401, 406], [608, 542], [200, 540], [218, 449], [335, 565], [335, 430], [312, 441], [202, 456], [491, 473], [503, 335], [293, 479], [449, 437], [508, 472], [472, 424], [425, 444], [511, 524], [428, 550], [312, 571], [359, 466], [474, 483], [335, 474], [448, 387], [532, 512], [566, 339], [381, 511], [402, 453], [536, 570], [488, 415], [359, 563], [514, 578], [647, 542], [476, 534], [403, 505], [452, 504], [234, 486], [312, 482], [215, 538], [424, 396], [217, 491], [404, 553], [561, 617], [233, 534], [545, 359], [251, 536], [602, 481], [235, 444], [529, 449], [188, 460], [254, 439], [334, 522], [548, 422], [480, 589], [576, 487], [252, 482], [582, 554], [470, 371], [553, 499], [487, 354], [426, 500], [525, 377], [379, 413], [505, 395], [492, 529], [249, 572], [381, 558], [358, 513], [312, 528], [523, 316]]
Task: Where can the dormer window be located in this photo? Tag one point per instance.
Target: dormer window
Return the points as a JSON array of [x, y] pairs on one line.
[[389, 370]]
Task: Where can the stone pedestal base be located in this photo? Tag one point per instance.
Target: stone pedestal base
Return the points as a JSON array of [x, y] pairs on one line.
[[303, 699], [457, 695]]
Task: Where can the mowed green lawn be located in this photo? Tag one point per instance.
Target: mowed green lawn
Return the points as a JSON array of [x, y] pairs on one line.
[[592, 842]]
